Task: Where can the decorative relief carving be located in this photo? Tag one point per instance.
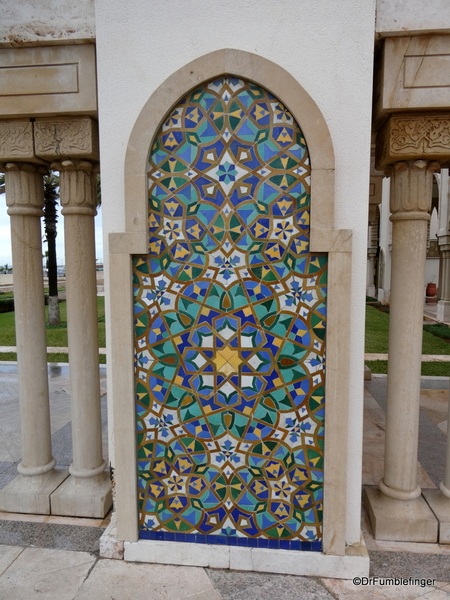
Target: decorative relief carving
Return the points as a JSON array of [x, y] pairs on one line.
[[413, 137], [16, 140], [74, 138], [422, 135], [433, 249]]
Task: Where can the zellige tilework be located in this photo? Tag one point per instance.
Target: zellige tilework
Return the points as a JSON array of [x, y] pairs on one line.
[[229, 328]]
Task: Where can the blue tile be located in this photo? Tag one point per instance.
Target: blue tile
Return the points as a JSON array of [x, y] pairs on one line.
[[242, 542], [200, 539]]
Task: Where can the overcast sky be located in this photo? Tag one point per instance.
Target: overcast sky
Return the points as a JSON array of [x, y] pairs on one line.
[[5, 237]]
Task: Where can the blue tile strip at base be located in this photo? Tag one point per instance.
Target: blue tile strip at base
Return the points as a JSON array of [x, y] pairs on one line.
[[230, 540]]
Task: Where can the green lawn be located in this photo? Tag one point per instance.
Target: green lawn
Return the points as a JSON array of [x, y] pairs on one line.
[[377, 330], [56, 334]]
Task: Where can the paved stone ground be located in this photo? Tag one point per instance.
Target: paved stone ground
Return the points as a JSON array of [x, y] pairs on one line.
[[56, 558]]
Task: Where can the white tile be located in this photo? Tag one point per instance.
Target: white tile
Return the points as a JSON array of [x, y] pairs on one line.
[[313, 564], [178, 553]]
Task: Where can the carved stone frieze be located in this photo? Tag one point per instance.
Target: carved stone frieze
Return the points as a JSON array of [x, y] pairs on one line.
[[66, 138], [411, 186], [16, 141], [412, 137]]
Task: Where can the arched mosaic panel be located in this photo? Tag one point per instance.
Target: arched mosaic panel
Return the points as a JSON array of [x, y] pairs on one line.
[[230, 328]]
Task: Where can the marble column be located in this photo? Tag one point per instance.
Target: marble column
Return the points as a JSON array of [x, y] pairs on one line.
[[397, 510], [443, 305], [87, 491], [370, 287], [30, 491], [411, 185]]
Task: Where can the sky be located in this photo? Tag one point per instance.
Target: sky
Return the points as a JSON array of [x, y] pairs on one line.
[[5, 237]]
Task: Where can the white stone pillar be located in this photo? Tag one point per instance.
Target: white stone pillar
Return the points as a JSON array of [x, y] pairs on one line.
[[370, 287], [87, 491], [30, 492], [400, 512], [411, 186]]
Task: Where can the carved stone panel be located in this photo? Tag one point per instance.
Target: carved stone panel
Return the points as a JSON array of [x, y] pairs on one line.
[[68, 138], [414, 136], [48, 80], [16, 141]]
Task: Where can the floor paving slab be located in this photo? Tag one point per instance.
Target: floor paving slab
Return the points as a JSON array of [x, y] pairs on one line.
[[45, 574], [347, 590], [8, 555], [119, 580]]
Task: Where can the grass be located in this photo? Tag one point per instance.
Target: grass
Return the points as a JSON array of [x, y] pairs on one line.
[[439, 330], [436, 369], [52, 357], [377, 334], [56, 334]]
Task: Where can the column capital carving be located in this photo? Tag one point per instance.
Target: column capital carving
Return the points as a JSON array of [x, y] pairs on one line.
[[411, 186], [24, 188], [414, 136], [78, 186], [66, 137], [16, 141]]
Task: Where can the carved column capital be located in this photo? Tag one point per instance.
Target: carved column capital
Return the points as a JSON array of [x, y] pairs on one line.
[[78, 186], [411, 186], [414, 136], [24, 188]]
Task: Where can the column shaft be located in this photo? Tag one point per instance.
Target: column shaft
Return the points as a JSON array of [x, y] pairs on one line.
[[24, 193], [78, 199], [405, 354]]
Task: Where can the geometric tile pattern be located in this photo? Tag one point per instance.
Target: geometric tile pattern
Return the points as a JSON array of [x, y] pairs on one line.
[[230, 319]]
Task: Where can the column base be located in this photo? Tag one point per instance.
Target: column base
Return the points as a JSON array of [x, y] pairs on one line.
[[400, 520], [31, 494], [371, 291], [83, 497], [440, 505], [443, 311]]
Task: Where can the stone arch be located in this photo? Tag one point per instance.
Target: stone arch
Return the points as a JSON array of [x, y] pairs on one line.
[[253, 68], [324, 238]]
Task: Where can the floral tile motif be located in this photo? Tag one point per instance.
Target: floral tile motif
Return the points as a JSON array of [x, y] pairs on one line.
[[229, 328]]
